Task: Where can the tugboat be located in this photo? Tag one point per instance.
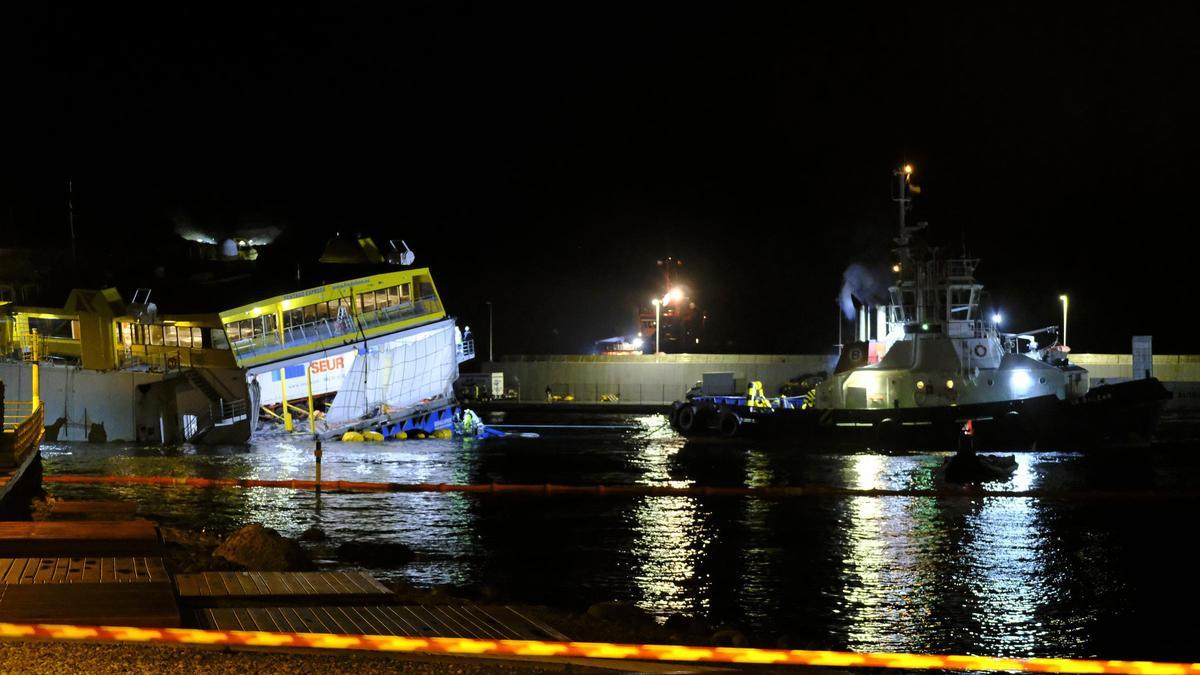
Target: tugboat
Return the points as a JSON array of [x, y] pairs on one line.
[[944, 365]]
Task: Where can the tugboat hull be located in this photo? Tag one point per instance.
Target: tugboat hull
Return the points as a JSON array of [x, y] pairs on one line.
[[1108, 416]]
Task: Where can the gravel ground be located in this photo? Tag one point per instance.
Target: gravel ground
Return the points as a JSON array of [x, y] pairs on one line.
[[96, 659]]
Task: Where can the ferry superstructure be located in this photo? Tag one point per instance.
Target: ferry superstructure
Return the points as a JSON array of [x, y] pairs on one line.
[[371, 351]]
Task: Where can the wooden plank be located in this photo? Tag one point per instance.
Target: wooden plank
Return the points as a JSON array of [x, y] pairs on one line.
[[536, 630], [91, 604], [263, 619], [185, 584], [477, 625], [387, 621], [370, 623], [401, 619], [91, 570], [60, 570], [45, 569], [291, 620], [275, 584], [93, 510], [337, 623], [313, 622], [5, 565], [67, 538], [245, 585], [319, 583], [75, 571], [13, 575]]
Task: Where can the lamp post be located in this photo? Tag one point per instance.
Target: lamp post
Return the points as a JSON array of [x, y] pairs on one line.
[[657, 318], [489, 304], [1064, 300]]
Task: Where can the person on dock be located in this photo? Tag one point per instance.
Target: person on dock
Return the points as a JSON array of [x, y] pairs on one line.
[[549, 394]]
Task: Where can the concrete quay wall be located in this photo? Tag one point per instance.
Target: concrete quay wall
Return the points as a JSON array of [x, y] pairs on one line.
[[83, 397], [645, 379], [666, 377]]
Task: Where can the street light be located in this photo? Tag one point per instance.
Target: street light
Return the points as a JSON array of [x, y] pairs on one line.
[[1063, 298], [489, 304], [657, 317]]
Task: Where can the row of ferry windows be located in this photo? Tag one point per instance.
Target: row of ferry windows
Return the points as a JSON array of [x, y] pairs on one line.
[[167, 335], [369, 301]]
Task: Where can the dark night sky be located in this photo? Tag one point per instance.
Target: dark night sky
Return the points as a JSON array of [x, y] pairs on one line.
[[544, 157]]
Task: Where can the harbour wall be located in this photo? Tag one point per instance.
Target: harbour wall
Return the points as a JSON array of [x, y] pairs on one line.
[[643, 378], [667, 377], [127, 405]]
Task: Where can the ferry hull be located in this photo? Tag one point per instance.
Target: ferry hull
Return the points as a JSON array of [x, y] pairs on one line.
[[1109, 416]]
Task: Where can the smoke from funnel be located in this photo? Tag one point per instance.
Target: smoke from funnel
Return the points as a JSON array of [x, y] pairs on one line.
[[859, 282]]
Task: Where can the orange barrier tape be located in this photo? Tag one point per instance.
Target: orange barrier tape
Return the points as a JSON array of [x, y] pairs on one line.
[[593, 650], [614, 490]]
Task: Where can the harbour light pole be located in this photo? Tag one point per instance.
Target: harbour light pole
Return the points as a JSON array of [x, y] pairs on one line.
[[489, 304], [1064, 300], [657, 319]]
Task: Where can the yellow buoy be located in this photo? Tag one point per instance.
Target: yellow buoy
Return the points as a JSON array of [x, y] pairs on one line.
[[372, 436], [400, 436], [352, 437], [418, 434]]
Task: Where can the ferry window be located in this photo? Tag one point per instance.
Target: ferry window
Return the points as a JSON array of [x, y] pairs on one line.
[[322, 310], [310, 314], [52, 328], [269, 324], [231, 329], [156, 335], [185, 336], [219, 341], [293, 318], [393, 295], [169, 337], [366, 302], [198, 335]]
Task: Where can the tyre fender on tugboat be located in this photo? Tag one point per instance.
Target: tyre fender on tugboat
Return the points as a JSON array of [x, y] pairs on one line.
[[728, 423], [673, 415], [685, 419]]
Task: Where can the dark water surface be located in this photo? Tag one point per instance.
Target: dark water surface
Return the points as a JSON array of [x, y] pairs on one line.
[[1111, 578]]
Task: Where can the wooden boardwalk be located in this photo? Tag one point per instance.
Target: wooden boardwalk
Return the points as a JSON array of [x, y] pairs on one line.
[[75, 569], [215, 588], [468, 621], [82, 570]]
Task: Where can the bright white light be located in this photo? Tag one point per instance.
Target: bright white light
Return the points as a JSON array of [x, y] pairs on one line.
[[997, 319], [1021, 381], [637, 343], [676, 294]]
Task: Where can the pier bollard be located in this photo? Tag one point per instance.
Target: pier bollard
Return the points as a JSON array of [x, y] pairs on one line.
[[317, 455]]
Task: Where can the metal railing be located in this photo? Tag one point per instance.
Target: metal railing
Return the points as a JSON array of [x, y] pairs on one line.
[[325, 329], [465, 349], [23, 425]]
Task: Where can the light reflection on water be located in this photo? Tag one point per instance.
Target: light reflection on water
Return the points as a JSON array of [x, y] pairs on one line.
[[1005, 576]]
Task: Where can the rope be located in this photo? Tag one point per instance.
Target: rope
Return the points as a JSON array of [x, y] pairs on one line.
[[770, 492]]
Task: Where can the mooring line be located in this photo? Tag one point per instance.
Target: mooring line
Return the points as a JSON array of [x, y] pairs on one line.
[[772, 492]]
